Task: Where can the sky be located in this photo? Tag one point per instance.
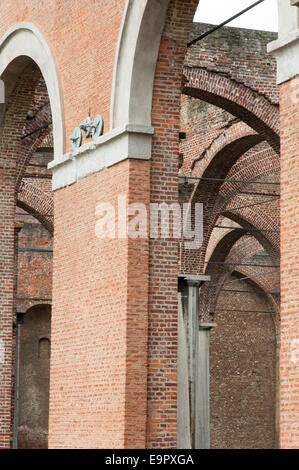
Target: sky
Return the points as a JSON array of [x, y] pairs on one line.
[[264, 16]]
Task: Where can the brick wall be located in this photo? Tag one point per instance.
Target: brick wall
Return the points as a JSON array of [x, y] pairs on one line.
[[162, 338], [99, 393], [239, 53], [84, 61], [34, 264], [99, 329], [243, 371], [289, 404], [243, 345]]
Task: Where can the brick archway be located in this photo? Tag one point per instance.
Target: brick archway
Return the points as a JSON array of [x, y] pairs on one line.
[[248, 105], [238, 247], [35, 201], [207, 191], [22, 51], [236, 132], [23, 43]]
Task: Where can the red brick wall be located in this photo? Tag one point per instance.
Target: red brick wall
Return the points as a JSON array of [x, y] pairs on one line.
[[34, 267], [243, 371], [84, 61], [99, 394], [289, 374], [162, 339], [239, 53], [7, 297], [99, 328]]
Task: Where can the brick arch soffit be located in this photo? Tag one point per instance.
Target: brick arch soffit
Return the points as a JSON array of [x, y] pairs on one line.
[[23, 149], [254, 279], [210, 292], [23, 43], [259, 165], [244, 251], [260, 283], [220, 253], [232, 133], [236, 246], [136, 59], [35, 201], [31, 144], [14, 118], [228, 248], [269, 240], [207, 192], [38, 304], [230, 194], [248, 105], [28, 306]]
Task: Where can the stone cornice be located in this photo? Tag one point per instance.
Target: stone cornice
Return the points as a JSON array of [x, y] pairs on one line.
[[127, 142]]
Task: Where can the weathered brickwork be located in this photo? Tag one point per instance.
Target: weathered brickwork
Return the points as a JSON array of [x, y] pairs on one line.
[[114, 334], [239, 53], [94, 59], [96, 333], [220, 143], [289, 267], [162, 340], [243, 371]]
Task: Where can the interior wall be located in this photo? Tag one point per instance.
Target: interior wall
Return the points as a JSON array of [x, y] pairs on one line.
[[242, 371], [34, 376]]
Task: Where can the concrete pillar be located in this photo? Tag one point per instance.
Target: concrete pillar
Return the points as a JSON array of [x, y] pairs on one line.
[[202, 429], [183, 413], [193, 368]]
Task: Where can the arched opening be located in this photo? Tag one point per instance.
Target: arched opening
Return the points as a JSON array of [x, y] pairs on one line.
[[30, 132], [244, 178], [243, 368], [230, 99], [34, 378]]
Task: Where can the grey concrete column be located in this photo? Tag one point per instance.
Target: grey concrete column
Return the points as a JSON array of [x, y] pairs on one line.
[[202, 426], [18, 321], [183, 405], [192, 335], [188, 358]]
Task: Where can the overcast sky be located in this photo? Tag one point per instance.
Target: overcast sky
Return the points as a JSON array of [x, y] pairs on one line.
[[263, 16]]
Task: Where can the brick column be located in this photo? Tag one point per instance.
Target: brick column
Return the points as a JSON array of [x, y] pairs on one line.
[[7, 209], [98, 368], [289, 357], [286, 51]]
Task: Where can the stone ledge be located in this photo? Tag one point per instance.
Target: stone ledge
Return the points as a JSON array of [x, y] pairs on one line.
[[286, 51], [194, 279], [283, 41], [207, 326], [129, 141]]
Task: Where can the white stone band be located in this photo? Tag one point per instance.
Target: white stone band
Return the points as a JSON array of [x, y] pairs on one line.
[[286, 51], [129, 141]]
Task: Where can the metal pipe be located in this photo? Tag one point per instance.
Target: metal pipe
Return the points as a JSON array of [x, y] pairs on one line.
[[242, 311], [36, 130], [248, 229], [243, 264], [228, 180]]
